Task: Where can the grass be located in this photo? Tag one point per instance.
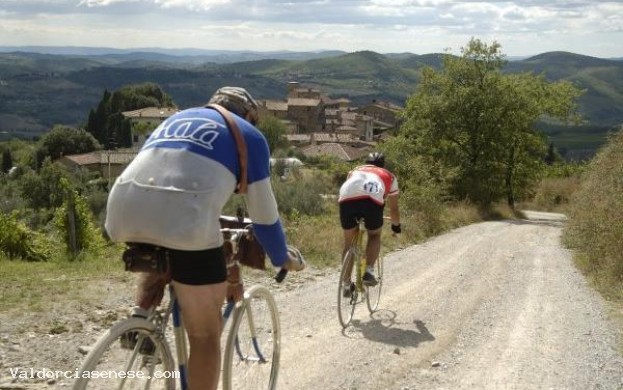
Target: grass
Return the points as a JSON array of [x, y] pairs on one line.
[[595, 225], [29, 286], [554, 194]]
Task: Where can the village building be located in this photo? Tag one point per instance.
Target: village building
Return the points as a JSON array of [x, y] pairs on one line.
[[315, 124], [108, 163], [145, 120]]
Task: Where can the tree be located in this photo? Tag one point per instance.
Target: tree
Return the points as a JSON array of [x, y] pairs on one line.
[[7, 160], [107, 122], [552, 156], [477, 124], [63, 140], [274, 130], [43, 190]]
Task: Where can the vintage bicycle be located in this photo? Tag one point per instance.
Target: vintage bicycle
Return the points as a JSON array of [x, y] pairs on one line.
[[250, 358], [354, 264]]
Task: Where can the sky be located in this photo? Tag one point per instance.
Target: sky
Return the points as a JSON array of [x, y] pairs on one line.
[[521, 27]]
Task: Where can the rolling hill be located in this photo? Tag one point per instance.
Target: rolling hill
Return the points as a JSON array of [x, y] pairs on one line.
[[38, 90]]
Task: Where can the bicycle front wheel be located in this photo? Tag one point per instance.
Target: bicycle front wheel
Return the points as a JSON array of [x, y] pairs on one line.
[[373, 293], [128, 356], [251, 358], [346, 298]]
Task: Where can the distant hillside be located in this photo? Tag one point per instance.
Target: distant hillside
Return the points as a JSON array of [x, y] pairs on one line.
[[40, 90], [178, 56]]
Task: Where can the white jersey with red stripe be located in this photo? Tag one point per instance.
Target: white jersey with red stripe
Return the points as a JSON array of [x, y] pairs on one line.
[[369, 182]]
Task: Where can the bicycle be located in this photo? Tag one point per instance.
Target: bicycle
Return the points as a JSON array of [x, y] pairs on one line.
[[250, 359], [355, 258]]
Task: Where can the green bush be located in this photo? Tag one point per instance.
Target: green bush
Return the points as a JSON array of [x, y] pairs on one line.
[[17, 241], [302, 194], [554, 194], [86, 235], [595, 227]]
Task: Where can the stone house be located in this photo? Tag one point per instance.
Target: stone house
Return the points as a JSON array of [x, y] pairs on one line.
[[108, 163], [384, 114], [150, 117]]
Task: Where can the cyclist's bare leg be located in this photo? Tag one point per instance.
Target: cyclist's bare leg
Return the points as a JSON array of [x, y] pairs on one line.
[[201, 315], [350, 236], [150, 289], [373, 247]]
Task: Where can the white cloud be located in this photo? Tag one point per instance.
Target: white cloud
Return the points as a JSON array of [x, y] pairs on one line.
[[103, 3], [192, 5], [521, 26]]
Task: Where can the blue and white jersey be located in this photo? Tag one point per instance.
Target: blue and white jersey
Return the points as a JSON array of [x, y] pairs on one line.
[[173, 192]]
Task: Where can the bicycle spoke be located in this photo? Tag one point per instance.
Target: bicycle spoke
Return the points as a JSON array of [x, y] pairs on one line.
[[127, 357], [252, 353], [373, 293]]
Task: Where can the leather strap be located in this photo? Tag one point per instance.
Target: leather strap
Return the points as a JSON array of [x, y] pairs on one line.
[[241, 145]]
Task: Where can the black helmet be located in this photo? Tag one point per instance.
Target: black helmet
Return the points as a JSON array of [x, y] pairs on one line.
[[236, 100], [376, 158]]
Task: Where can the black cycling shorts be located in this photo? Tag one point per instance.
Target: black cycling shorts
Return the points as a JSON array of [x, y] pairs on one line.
[[351, 210], [198, 267]]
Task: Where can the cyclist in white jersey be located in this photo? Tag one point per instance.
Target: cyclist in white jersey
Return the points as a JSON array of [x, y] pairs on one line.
[[363, 195], [172, 195]]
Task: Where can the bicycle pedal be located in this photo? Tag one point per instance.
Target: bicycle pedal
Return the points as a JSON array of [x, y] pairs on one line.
[[150, 360], [147, 347], [347, 292], [128, 340]]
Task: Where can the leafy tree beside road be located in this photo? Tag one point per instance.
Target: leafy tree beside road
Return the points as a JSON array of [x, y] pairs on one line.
[[476, 125]]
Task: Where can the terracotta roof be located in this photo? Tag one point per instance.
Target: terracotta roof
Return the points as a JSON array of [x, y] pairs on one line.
[[275, 105], [303, 102], [83, 159], [334, 137], [151, 112], [342, 152], [118, 157], [386, 105], [101, 157], [297, 137]]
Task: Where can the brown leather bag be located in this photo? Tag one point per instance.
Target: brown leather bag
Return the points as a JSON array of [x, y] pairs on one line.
[[250, 251]]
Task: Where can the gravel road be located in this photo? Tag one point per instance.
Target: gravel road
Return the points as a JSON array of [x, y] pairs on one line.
[[494, 305]]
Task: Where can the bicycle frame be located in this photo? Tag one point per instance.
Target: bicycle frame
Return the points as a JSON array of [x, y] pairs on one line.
[[256, 346], [359, 260]]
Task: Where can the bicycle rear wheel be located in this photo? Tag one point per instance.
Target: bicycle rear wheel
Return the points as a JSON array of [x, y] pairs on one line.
[[116, 362], [373, 293], [251, 358], [346, 302]]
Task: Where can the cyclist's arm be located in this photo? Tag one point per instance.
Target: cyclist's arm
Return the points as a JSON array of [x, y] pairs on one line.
[[260, 199], [394, 211], [267, 227]]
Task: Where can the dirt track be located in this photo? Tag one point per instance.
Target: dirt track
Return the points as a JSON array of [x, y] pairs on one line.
[[495, 305]]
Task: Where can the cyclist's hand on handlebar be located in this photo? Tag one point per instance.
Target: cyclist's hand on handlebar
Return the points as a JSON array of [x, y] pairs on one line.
[[295, 261]]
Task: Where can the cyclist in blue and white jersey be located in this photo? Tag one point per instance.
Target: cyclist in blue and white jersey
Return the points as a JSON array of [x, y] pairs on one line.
[[172, 195]]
